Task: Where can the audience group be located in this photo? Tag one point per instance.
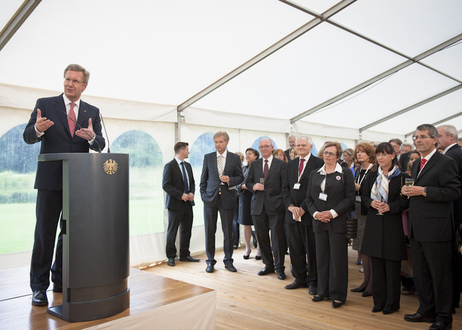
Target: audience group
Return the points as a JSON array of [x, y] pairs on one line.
[[406, 199]]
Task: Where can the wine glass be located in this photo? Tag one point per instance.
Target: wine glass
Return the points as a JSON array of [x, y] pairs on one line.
[[408, 182], [381, 200]]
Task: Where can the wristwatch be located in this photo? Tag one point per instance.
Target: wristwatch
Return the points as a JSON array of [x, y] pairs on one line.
[[424, 194]]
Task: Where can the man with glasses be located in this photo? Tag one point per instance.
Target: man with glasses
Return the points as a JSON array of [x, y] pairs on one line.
[[266, 178], [447, 143], [300, 228], [58, 123], [436, 186]]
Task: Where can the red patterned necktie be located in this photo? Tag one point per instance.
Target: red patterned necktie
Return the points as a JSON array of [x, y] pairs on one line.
[[300, 167], [422, 163], [265, 170], [73, 121]]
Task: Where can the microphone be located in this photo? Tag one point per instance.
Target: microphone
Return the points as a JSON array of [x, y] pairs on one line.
[[79, 126], [107, 137]]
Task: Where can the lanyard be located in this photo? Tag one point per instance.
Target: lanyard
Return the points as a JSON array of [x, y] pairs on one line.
[[362, 179]]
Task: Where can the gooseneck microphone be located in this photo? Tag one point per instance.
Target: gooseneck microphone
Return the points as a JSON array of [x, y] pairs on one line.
[[79, 126], [107, 136]]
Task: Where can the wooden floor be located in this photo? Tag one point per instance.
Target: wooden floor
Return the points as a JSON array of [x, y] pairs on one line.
[[248, 301], [147, 292]]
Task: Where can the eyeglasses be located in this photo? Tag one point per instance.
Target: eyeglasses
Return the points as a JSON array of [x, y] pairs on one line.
[[422, 137], [327, 153], [265, 147], [68, 81]]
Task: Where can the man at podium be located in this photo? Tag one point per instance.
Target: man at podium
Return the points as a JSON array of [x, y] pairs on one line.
[[63, 124]]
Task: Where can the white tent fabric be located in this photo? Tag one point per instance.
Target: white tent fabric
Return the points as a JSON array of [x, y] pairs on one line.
[[366, 70]]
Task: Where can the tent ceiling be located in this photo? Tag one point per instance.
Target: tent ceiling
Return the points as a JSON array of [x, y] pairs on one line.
[[281, 59]]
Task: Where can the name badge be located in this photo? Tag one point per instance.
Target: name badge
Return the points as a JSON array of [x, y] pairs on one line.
[[323, 196], [358, 199], [297, 186]]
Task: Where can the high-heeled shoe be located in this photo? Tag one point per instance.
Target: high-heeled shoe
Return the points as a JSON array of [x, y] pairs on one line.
[[366, 294], [257, 257], [358, 289], [246, 256]]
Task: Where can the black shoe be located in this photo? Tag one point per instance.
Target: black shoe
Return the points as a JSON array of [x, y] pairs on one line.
[[376, 309], [57, 287], [266, 271], [387, 311], [39, 298], [246, 256], [257, 257], [357, 290], [229, 266], [366, 294], [189, 258], [419, 318], [281, 274], [171, 262], [318, 298], [209, 268], [440, 326], [313, 290], [296, 285], [336, 304]]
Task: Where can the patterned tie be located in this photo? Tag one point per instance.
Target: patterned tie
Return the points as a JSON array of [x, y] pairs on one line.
[[221, 165], [265, 170], [185, 179], [300, 167], [422, 163], [74, 119]]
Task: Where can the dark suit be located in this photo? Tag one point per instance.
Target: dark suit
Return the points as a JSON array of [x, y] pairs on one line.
[[384, 241], [301, 236], [287, 152], [179, 211], [456, 153], [49, 178], [331, 242], [267, 209], [431, 232], [220, 198], [404, 160]]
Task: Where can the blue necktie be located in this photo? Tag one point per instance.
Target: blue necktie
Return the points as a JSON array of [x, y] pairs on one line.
[[185, 179]]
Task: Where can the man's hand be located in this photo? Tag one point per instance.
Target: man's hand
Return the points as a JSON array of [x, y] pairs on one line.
[[412, 190], [224, 178], [86, 133], [258, 186], [42, 123]]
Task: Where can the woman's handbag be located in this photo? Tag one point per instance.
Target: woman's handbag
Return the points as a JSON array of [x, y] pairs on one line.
[[352, 225]]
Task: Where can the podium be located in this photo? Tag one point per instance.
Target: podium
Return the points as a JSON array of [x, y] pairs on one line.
[[95, 235]]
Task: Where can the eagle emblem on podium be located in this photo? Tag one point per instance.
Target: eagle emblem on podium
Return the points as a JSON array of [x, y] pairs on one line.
[[110, 166]]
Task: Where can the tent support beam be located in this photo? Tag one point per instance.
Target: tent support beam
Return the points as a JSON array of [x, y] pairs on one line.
[[436, 123], [414, 106], [17, 20], [382, 76], [267, 52]]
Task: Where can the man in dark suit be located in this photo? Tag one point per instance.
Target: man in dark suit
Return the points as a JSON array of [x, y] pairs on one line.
[[292, 139], [266, 178], [447, 143], [49, 124], [178, 183], [405, 155], [221, 171], [436, 186], [300, 227]]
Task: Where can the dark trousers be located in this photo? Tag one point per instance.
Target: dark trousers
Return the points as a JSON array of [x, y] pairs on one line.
[[183, 217], [431, 265], [48, 211], [302, 249], [210, 224], [332, 262], [386, 286], [236, 225], [275, 223]]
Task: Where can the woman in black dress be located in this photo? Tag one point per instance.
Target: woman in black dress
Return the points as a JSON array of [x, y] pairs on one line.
[[384, 236], [330, 195], [245, 197]]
